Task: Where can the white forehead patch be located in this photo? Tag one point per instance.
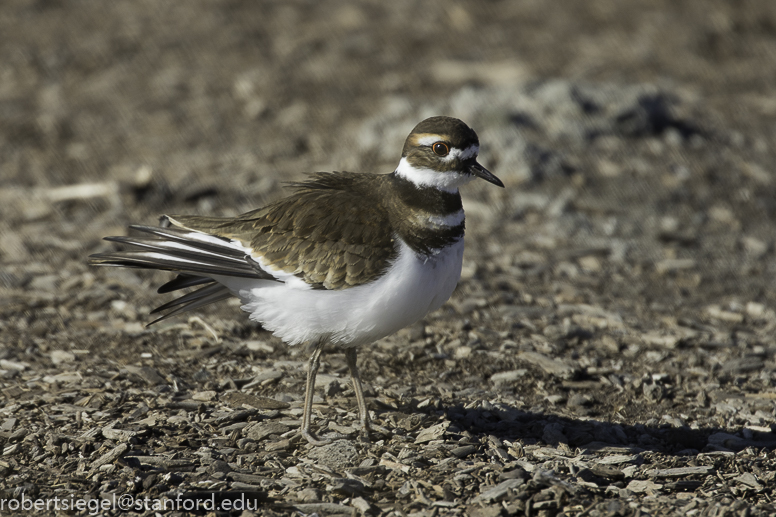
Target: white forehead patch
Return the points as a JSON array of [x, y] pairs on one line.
[[462, 154]]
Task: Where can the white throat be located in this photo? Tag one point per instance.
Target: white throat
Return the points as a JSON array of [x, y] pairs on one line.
[[448, 181]]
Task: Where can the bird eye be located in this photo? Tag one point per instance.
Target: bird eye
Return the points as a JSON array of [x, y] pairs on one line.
[[440, 149]]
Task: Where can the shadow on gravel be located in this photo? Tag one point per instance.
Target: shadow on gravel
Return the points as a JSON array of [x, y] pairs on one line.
[[514, 424]]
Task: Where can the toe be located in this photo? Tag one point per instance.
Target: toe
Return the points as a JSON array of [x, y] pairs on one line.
[[314, 440]]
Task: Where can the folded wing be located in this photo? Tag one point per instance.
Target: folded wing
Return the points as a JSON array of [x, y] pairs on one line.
[[328, 235]]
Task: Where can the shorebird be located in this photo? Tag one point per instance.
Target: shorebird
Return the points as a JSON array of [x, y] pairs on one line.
[[346, 259]]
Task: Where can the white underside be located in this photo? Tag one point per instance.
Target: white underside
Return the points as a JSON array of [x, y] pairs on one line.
[[411, 288]]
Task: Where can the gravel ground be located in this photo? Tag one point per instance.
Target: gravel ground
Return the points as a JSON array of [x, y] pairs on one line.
[[609, 350]]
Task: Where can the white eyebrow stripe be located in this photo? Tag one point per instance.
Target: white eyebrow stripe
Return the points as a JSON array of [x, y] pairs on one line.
[[429, 139], [462, 154]]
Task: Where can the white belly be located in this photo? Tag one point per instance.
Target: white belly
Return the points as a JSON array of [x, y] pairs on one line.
[[410, 289]]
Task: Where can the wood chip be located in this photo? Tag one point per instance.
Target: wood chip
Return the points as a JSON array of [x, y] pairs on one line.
[[680, 472], [643, 486], [261, 430], [118, 434], [499, 491], [148, 374], [555, 367], [432, 433], [616, 459], [749, 480], [163, 462], [110, 456], [236, 399]]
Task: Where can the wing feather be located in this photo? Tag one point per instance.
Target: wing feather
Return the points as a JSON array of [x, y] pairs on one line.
[[332, 232], [311, 233]]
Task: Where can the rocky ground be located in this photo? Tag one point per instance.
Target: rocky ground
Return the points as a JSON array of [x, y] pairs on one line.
[[609, 350]]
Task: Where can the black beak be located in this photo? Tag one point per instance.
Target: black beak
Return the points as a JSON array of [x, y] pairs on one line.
[[481, 172]]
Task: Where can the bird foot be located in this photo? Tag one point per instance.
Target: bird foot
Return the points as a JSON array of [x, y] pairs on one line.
[[368, 428], [312, 439]]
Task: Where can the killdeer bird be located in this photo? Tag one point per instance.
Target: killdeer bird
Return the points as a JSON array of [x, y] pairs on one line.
[[345, 260]]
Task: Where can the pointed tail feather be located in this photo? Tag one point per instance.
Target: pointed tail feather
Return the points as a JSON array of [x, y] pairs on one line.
[[182, 282], [171, 262], [202, 292], [203, 296], [189, 252], [196, 256]]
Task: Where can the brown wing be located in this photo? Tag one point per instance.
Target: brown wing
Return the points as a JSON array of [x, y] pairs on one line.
[[332, 232]]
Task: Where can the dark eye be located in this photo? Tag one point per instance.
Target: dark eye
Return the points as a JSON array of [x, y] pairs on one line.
[[440, 149]]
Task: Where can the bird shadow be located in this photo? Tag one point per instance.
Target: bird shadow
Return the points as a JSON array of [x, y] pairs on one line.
[[534, 427]]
